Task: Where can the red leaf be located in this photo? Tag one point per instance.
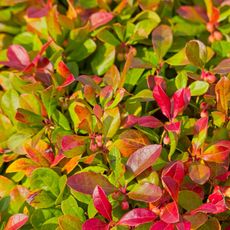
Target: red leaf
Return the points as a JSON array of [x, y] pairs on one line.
[[64, 71], [143, 158], [205, 208], [217, 153], [173, 127], [145, 121], [86, 182], [95, 224], [179, 101], [172, 177], [137, 216], [162, 100], [100, 18], [185, 225], [35, 12], [101, 203], [170, 214], [72, 141], [215, 15], [161, 225], [217, 198], [18, 57], [16, 221]]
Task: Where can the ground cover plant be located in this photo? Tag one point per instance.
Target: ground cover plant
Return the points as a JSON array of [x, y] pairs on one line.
[[114, 114]]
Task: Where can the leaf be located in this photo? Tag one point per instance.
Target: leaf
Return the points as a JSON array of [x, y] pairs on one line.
[[185, 198], [162, 100], [196, 53], [100, 18], [101, 203], [103, 59], [193, 13], [136, 217], [180, 101], [24, 165], [6, 185], [170, 213], [112, 77], [196, 220], [69, 222], [144, 121], [181, 80], [222, 91], [16, 221], [95, 223], [198, 88], [18, 57], [204, 208], [162, 225], [200, 133], [199, 173], [218, 153], [145, 192], [185, 225], [178, 59], [10, 103], [111, 122], [211, 224], [69, 206], [86, 182], [45, 179], [143, 158], [129, 141], [162, 39], [172, 177], [73, 145], [223, 67]]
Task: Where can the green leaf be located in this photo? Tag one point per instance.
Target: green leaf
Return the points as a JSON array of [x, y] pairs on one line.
[[103, 59], [10, 103], [178, 59], [82, 50], [91, 210], [189, 200], [45, 179], [107, 37], [173, 143], [69, 206], [69, 222], [181, 79], [111, 122], [196, 53], [198, 88], [39, 216]]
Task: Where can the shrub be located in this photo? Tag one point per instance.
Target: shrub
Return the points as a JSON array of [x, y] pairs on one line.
[[114, 114]]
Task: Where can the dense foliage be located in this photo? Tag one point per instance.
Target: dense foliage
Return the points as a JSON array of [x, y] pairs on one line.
[[114, 114]]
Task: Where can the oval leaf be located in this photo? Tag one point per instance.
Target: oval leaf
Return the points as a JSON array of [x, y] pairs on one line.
[[199, 173], [137, 216], [143, 158], [86, 182], [16, 221]]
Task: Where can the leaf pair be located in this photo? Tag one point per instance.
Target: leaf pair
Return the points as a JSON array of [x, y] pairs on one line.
[[174, 106]]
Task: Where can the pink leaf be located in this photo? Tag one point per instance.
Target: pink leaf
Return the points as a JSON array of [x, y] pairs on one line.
[[101, 203], [170, 214], [185, 225], [180, 100], [35, 12], [173, 127], [161, 225], [205, 208], [137, 216], [100, 18], [86, 182], [16, 221], [172, 177], [217, 198], [94, 223], [143, 158], [18, 57], [145, 121], [162, 100]]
